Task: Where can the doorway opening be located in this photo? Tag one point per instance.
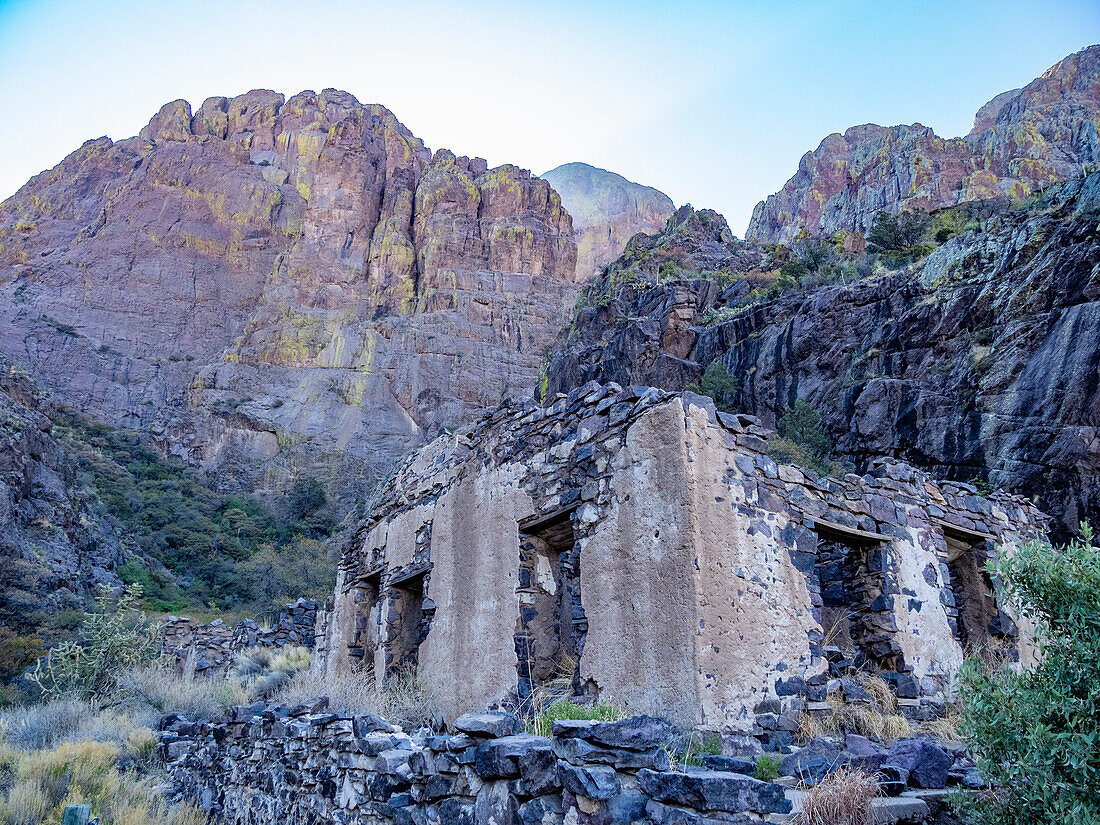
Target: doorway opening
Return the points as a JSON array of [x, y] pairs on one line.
[[856, 601], [979, 621], [546, 637]]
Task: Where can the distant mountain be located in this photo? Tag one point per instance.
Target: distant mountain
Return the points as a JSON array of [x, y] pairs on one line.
[[271, 287], [1022, 140], [607, 210]]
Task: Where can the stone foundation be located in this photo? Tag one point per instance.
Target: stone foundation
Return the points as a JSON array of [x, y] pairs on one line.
[[304, 765]]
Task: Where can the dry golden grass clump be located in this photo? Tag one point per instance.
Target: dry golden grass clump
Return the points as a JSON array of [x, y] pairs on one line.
[[43, 782], [842, 798], [879, 720], [405, 698]]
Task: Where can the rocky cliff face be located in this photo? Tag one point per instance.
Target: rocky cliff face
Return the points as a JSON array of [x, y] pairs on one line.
[[983, 360], [269, 285], [56, 546], [607, 210], [1022, 140]]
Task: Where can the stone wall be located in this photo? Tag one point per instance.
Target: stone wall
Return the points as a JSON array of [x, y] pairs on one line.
[[653, 541], [305, 765], [210, 647]]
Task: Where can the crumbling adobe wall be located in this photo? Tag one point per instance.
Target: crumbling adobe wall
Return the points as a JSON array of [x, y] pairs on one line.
[[699, 585], [469, 658], [753, 606], [637, 575]]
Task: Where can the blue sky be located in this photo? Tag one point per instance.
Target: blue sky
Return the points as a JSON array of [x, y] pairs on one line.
[[712, 102]]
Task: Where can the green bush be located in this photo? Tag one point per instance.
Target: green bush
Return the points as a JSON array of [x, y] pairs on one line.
[[767, 768], [1036, 732], [233, 550], [542, 723], [719, 384], [802, 425]]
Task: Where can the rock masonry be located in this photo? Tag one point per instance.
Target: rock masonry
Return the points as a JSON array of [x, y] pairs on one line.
[[209, 648], [646, 546], [305, 765]]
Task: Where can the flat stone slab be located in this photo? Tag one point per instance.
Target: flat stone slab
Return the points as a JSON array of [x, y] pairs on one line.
[[884, 810]]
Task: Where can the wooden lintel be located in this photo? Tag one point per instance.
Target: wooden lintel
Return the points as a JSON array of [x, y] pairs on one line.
[[826, 526], [373, 573], [408, 574], [533, 524], [964, 533]]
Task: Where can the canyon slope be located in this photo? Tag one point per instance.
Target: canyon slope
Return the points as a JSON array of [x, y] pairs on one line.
[[607, 210], [270, 287], [1023, 140], [981, 360], [57, 545]]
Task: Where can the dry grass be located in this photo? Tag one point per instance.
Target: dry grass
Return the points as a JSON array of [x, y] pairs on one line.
[[880, 720], [264, 671], [45, 781], [404, 699], [883, 697], [43, 725], [160, 690], [945, 728], [842, 798]]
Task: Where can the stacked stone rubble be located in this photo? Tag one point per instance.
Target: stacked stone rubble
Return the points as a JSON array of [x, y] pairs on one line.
[[304, 764], [210, 647]]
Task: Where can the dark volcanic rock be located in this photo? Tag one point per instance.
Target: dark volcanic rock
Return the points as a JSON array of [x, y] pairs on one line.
[[714, 791], [982, 361], [812, 763], [926, 762], [56, 545]]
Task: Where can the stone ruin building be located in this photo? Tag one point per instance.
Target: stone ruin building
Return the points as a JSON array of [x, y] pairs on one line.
[[645, 547]]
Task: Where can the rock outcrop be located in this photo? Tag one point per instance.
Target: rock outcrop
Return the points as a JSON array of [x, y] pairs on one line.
[[56, 546], [267, 285], [608, 210], [983, 361], [1022, 140]]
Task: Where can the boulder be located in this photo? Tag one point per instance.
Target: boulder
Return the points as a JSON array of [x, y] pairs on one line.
[[490, 723], [812, 763], [706, 790], [926, 762]]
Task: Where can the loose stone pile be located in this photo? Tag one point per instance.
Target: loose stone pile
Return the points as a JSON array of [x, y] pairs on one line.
[[211, 646], [303, 765]]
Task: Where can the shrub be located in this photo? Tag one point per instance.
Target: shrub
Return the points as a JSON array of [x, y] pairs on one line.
[[842, 798], [802, 425], [719, 384], [602, 711], [157, 690], [44, 725], [1036, 733], [44, 781], [112, 639], [307, 496], [802, 440], [897, 233], [266, 670], [767, 768]]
